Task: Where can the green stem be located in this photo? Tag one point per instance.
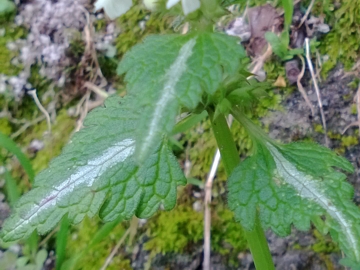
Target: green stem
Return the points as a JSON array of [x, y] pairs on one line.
[[230, 157]]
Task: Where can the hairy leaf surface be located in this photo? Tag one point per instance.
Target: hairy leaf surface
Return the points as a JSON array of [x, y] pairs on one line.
[[294, 184], [169, 71], [99, 166]]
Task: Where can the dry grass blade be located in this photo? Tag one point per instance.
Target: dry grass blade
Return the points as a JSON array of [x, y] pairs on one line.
[[303, 19], [311, 68], [207, 211], [301, 88], [118, 245], [26, 126], [97, 90], [259, 62]]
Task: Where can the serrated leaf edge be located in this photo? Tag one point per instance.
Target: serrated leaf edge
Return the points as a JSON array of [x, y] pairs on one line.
[[168, 94], [84, 175], [309, 188]]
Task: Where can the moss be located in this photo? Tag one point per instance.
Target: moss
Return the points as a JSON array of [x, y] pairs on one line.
[[100, 24], [5, 126], [323, 243], [353, 109], [227, 236], [319, 128], [108, 66], [12, 33], [175, 230], [342, 42], [61, 131], [334, 136], [274, 69], [40, 83], [181, 229], [95, 258], [132, 33], [348, 141]]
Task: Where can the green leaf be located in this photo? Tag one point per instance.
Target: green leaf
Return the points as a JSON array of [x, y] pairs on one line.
[[248, 93], [350, 263], [288, 6], [223, 107], [188, 122], [6, 6], [10, 145], [295, 184], [277, 44], [172, 71], [98, 169], [113, 8], [61, 241], [12, 191], [40, 258], [294, 52]]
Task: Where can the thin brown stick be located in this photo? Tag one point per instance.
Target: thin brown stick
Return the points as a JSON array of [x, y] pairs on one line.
[[259, 62], [303, 19], [83, 112], [115, 249], [301, 88], [207, 209], [97, 90], [353, 124], [47, 238], [26, 126], [311, 68]]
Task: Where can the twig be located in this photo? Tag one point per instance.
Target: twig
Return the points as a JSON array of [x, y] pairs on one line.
[[83, 112], [301, 88], [90, 48], [26, 126], [303, 19], [311, 68], [207, 211], [41, 108], [133, 229], [318, 65], [115, 250], [353, 124], [47, 238], [258, 63], [79, 105], [354, 70], [6, 114], [97, 90]]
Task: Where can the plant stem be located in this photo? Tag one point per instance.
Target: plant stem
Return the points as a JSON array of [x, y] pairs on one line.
[[256, 238]]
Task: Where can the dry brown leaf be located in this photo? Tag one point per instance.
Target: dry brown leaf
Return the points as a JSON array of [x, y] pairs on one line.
[[280, 82]]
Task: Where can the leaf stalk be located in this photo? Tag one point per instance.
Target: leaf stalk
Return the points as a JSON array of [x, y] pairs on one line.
[[256, 238]]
